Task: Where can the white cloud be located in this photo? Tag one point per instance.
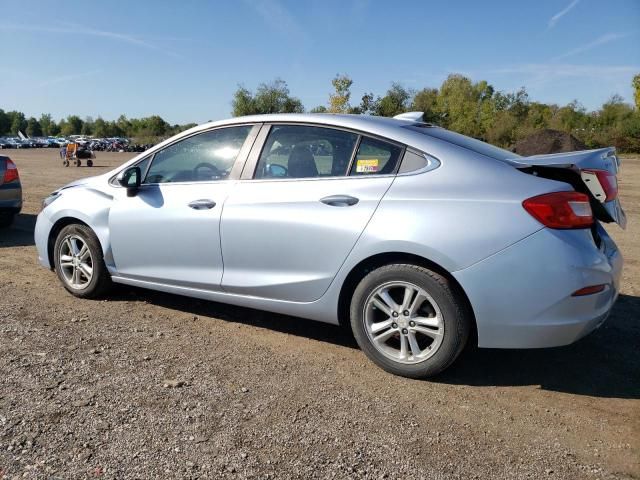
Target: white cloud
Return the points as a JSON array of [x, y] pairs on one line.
[[553, 20], [537, 75], [68, 78], [602, 40], [74, 29], [277, 17]]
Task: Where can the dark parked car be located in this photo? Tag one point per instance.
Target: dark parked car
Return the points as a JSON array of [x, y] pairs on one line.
[[10, 191]]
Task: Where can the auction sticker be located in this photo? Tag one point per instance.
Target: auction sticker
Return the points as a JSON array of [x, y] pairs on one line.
[[367, 166]]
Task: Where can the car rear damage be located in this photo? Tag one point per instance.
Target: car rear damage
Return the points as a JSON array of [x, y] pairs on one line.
[[566, 276], [592, 172]]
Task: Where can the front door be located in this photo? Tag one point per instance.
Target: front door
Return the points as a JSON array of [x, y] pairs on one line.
[[170, 231]]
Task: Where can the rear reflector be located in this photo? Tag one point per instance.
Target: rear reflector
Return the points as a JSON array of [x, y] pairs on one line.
[[561, 210], [588, 290], [11, 172], [608, 182]]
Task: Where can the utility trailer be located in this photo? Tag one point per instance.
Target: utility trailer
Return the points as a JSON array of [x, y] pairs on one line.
[[72, 156]]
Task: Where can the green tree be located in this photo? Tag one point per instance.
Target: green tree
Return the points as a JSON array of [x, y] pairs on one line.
[[33, 128], [636, 90], [100, 128], [460, 102], [45, 123], [569, 118], [18, 122], [243, 103], [5, 123], [124, 125], [87, 126], [271, 97], [72, 125], [368, 105], [426, 101], [318, 109], [339, 99], [395, 101]]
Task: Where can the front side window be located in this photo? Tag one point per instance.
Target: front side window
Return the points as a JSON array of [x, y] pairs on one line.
[[208, 156], [296, 151], [376, 157]]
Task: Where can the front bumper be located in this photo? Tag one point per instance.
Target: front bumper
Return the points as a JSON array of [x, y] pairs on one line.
[[41, 238], [522, 296]]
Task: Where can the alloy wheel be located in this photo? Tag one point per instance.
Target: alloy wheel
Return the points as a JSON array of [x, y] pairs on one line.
[[403, 322], [76, 262]]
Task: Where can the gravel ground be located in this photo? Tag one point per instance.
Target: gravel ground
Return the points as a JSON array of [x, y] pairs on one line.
[[150, 385]]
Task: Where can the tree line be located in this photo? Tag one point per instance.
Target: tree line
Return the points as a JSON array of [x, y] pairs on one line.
[[146, 130], [472, 108]]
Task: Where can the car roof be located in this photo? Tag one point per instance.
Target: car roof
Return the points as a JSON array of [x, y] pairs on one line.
[[381, 126]]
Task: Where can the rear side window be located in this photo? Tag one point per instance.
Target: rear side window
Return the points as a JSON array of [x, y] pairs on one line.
[[298, 151], [376, 157]]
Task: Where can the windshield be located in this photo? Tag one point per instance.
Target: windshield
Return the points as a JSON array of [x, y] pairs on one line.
[[464, 141]]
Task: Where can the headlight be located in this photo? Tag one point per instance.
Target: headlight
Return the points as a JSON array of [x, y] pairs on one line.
[[50, 199]]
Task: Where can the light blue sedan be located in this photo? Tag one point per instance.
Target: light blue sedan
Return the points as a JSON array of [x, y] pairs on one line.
[[421, 239]]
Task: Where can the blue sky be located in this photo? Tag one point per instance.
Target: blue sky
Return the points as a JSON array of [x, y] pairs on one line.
[[183, 60]]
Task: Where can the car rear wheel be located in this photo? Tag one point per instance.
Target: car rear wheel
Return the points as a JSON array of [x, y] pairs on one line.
[[409, 320], [79, 262]]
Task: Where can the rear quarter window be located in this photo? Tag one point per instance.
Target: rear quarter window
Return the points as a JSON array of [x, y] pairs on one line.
[[375, 157]]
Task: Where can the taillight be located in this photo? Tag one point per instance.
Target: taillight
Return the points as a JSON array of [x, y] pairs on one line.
[[589, 290], [11, 172], [607, 180], [561, 209]]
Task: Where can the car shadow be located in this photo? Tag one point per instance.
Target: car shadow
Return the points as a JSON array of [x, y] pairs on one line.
[[248, 316], [603, 364], [20, 233]]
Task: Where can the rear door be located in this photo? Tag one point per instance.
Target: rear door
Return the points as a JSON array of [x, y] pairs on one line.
[[305, 197]]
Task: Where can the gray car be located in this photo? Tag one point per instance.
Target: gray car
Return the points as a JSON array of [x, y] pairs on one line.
[[10, 191], [421, 239]]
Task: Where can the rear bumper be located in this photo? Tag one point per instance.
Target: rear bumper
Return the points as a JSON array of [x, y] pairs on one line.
[[522, 296], [10, 198]]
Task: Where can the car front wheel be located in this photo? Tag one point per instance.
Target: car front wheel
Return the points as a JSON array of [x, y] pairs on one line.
[[409, 320], [79, 262]]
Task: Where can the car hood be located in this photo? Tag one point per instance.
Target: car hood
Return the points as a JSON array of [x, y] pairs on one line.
[[85, 182]]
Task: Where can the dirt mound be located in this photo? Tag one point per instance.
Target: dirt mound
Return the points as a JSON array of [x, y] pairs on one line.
[[548, 141]]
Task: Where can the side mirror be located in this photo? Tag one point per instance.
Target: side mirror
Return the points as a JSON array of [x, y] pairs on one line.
[[131, 179], [276, 171]]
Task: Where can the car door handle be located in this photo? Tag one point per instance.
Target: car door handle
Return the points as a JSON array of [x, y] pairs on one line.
[[202, 204], [339, 200]]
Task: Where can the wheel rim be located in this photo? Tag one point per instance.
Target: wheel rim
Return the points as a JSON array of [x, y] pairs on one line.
[[403, 322], [76, 262]]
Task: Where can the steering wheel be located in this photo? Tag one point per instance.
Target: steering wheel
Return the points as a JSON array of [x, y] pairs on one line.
[[215, 171]]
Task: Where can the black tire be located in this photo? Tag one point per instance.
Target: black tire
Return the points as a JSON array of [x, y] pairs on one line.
[[6, 220], [89, 163], [77, 163], [455, 316], [100, 282], [65, 163]]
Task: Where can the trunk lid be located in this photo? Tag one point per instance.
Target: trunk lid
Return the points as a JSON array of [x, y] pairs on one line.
[[583, 170]]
